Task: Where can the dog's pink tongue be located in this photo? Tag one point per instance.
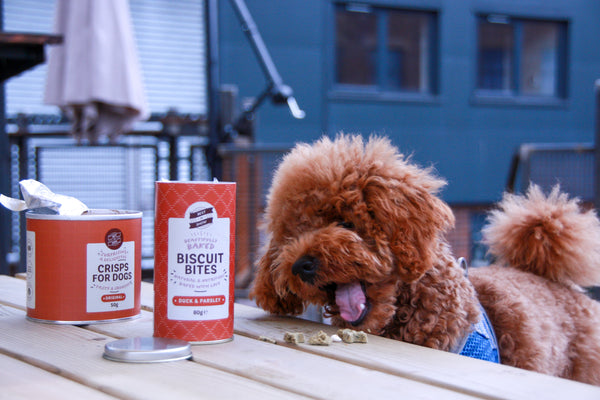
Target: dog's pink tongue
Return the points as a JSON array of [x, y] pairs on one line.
[[351, 300]]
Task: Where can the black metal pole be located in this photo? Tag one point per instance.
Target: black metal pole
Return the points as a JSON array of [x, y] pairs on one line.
[[173, 157], [595, 292], [5, 217], [597, 147], [213, 85], [279, 92], [250, 29]]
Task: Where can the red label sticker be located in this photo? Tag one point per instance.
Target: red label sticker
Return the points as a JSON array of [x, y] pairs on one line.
[[107, 298], [198, 300]]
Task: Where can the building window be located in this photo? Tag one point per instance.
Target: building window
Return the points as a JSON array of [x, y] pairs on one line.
[[384, 49], [519, 57]]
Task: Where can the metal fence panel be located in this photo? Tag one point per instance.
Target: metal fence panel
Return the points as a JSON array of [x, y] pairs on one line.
[[571, 165]]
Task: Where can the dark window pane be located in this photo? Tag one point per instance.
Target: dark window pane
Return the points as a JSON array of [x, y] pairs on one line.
[[356, 47], [539, 59], [408, 47], [495, 62]]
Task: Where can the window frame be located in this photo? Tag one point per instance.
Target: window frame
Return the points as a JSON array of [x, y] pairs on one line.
[[515, 95], [382, 89]]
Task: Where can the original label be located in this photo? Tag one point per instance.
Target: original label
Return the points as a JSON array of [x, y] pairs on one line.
[[110, 274], [30, 268], [198, 265]]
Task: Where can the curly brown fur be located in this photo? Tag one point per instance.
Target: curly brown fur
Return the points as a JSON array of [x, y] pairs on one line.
[[543, 320], [355, 227], [548, 236]]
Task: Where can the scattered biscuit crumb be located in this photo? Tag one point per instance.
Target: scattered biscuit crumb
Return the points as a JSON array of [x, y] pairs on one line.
[[320, 338], [267, 339], [352, 336], [293, 337], [336, 338]]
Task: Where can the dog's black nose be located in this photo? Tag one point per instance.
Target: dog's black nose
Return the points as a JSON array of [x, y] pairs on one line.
[[306, 267]]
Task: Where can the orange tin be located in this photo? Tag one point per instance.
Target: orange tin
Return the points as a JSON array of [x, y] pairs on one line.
[[194, 258], [83, 269]]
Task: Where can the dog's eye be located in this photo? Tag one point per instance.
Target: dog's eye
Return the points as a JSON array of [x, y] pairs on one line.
[[347, 225]]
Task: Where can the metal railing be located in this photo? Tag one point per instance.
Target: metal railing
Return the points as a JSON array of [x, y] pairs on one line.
[[119, 176], [571, 165], [252, 167], [122, 176]]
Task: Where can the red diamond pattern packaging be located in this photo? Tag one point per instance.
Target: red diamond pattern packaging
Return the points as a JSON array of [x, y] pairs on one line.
[[194, 259]]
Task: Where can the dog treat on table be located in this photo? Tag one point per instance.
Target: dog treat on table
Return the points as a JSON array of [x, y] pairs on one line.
[[293, 337], [267, 339], [352, 336], [320, 338]]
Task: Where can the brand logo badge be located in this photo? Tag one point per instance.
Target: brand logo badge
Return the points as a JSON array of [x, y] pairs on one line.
[[113, 239]]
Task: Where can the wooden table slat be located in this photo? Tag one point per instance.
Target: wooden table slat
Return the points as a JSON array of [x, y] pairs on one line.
[[329, 379], [12, 292], [20, 380], [76, 354]]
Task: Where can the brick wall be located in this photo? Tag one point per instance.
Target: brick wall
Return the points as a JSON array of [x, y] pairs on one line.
[[460, 237]]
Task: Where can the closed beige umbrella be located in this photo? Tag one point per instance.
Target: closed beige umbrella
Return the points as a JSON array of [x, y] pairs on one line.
[[94, 76]]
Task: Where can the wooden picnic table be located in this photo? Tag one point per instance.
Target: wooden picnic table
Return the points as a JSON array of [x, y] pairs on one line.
[[39, 360]]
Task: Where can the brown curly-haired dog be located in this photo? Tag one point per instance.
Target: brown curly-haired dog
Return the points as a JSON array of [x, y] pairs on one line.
[[355, 227]]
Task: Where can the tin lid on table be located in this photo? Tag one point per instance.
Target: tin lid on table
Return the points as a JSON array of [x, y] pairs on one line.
[[147, 350]]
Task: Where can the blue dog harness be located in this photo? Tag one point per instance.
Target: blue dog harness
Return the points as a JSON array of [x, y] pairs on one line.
[[481, 343]]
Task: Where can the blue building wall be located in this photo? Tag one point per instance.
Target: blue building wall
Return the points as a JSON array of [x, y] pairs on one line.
[[470, 141]]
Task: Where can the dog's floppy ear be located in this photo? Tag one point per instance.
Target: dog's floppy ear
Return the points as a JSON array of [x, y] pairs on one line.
[[276, 300], [414, 220]]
